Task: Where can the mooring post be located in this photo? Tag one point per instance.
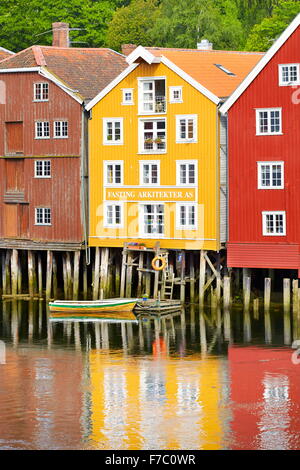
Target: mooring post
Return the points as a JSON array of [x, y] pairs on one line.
[[267, 293], [247, 292], [96, 274], [202, 277], [76, 275], [49, 274], [14, 272], [226, 292]]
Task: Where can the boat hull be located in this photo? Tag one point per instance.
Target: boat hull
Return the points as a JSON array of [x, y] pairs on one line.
[[91, 308]]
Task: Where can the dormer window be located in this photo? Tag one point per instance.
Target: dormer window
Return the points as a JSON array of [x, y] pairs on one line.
[[152, 96]]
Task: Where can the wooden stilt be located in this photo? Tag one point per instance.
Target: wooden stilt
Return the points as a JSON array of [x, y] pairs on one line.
[[218, 277], [54, 274], [156, 276], [40, 275], [123, 272], [49, 274], [7, 271], [140, 275], [104, 271], [256, 308], [246, 273], [4, 285], [237, 280], [226, 294], [69, 275], [30, 274], [76, 275], [202, 277], [268, 329], [20, 273], [295, 309], [129, 275], [109, 289], [247, 292], [117, 275], [247, 326], [14, 272], [148, 276], [182, 277], [192, 277], [286, 295], [267, 293], [96, 274]]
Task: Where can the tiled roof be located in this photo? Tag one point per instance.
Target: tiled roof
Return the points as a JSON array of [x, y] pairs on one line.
[[210, 68], [4, 53], [86, 70]]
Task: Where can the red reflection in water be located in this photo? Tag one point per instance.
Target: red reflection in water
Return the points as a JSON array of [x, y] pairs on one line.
[[265, 389]]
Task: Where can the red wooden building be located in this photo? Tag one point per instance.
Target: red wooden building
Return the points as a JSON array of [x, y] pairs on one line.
[[263, 160], [43, 140]]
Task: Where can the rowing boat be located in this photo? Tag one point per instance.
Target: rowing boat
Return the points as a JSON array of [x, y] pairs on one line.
[[92, 307]]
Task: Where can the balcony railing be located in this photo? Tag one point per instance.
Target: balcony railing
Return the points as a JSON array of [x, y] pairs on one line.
[[160, 104]]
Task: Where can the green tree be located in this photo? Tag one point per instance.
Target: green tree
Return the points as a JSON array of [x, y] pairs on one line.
[[23, 22], [132, 24], [265, 33], [182, 24]]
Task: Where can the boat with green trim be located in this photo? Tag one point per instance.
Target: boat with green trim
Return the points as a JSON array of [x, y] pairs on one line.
[[92, 306]]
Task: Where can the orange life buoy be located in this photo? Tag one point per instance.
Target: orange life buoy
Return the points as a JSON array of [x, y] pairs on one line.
[[163, 263]]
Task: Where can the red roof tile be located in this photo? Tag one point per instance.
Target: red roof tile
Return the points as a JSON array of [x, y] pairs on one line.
[[4, 53]]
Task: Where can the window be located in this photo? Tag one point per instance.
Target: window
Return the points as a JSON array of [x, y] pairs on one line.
[[289, 74], [186, 172], [113, 172], [113, 215], [42, 130], [153, 136], [268, 121], [152, 96], [149, 173], [113, 131], [42, 216], [127, 96], [41, 92], [186, 216], [270, 175], [274, 223], [175, 94], [186, 128], [60, 129], [42, 169], [152, 222]]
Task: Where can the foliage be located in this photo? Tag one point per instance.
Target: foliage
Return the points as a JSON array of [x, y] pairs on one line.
[[265, 33], [131, 24]]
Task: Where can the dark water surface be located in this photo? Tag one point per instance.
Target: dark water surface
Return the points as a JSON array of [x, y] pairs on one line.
[[186, 381]]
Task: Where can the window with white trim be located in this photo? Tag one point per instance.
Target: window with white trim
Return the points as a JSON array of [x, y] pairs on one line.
[[41, 91], [270, 175], [175, 94], [152, 219], [186, 172], [289, 74], [42, 130], [186, 128], [152, 95], [113, 172], [152, 136], [113, 214], [186, 216], [112, 131], [268, 121], [42, 169], [60, 129], [274, 223], [127, 94], [42, 216], [149, 173]]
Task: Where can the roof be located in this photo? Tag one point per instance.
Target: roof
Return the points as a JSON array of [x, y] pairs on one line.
[[220, 72], [261, 64], [86, 70], [4, 53]]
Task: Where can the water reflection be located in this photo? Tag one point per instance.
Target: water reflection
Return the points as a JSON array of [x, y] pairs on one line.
[[189, 380]]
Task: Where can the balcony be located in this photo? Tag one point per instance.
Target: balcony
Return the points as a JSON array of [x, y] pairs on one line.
[[152, 96]]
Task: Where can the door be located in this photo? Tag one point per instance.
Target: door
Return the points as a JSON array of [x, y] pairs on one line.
[[11, 225], [15, 174], [14, 138]]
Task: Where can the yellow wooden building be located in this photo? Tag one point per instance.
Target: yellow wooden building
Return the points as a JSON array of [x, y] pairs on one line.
[[157, 149]]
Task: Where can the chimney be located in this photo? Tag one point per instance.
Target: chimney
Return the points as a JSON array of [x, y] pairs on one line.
[[60, 33], [205, 45], [128, 48]]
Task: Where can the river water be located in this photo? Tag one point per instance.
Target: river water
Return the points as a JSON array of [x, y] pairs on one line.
[[187, 381]]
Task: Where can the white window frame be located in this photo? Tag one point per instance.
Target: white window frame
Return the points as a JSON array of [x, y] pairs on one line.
[[259, 175], [113, 142], [124, 101], [171, 94], [43, 209], [178, 218], [141, 220], [61, 123], [268, 110], [141, 80], [35, 99], [42, 136], [186, 162], [179, 117], [141, 137], [106, 163], [149, 162], [281, 82], [113, 204], [264, 223], [43, 162]]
